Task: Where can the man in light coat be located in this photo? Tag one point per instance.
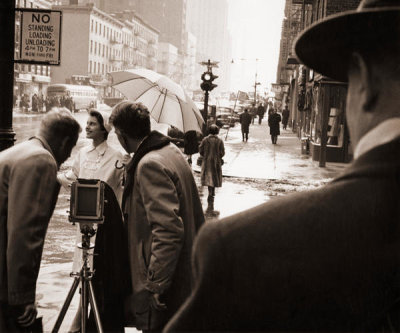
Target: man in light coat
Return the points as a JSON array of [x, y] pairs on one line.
[[28, 194], [328, 259], [163, 213]]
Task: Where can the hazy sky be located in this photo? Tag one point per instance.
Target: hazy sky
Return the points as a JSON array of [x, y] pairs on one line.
[[256, 31]]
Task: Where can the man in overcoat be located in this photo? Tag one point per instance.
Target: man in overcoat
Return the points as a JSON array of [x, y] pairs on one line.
[[327, 259], [245, 120], [162, 212], [273, 122], [28, 194]]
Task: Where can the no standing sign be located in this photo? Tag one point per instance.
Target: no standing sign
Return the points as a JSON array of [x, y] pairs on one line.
[[40, 36]]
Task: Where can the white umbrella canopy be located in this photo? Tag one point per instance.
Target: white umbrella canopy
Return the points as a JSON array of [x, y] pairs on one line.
[[166, 100]]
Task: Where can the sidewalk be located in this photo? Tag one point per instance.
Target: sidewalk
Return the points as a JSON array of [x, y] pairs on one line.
[[260, 159]]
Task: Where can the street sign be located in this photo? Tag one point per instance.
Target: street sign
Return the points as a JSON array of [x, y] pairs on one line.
[[40, 32]]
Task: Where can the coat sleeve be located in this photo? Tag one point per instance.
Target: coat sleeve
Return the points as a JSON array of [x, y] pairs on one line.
[[33, 190], [160, 199], [221, 148], [201, 148], [67, 178]]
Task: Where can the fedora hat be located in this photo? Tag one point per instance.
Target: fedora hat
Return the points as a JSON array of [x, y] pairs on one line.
[[326, 45]]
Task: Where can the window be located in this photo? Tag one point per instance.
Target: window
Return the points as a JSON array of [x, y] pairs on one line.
[[91, 26], [90, 66], [95, 47], [96, 28], [91, 46]]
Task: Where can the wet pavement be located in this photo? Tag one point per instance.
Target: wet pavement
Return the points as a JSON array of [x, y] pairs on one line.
[[254, 172]]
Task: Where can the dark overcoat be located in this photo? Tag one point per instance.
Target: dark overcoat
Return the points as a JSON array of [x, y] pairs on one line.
[[285, 116], [245, 121], [273, 122], [324, 260]]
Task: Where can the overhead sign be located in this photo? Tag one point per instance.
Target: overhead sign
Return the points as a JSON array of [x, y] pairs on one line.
[[40, 36]]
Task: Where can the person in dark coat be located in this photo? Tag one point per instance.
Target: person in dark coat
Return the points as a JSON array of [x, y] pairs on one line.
[[190, 144], [328, 259], [212, 150], [245, 120], [260, 113], [163, 214], [285, 117], [273, 122], [35, 103]]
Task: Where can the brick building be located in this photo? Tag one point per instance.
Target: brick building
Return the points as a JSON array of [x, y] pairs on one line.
[[316, 103]]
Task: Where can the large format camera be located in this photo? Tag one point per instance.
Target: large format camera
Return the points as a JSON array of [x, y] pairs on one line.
[[87, 201]]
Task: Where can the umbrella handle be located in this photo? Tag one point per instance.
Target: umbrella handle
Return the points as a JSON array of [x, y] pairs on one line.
[[119, 167]]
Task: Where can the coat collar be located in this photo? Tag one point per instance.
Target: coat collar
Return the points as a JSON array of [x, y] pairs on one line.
[[154, 141], [44, 143], [100, 149], [380, 160]]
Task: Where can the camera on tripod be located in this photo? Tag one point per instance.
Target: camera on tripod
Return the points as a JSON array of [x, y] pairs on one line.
[[87, 201]]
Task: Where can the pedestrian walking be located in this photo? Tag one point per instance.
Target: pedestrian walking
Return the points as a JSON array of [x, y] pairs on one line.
[[94, 161], [273, 122], [326, 259], [260, 113], [285, 117], [190, 144], [163, 214], [212, 150], [245, 120], [253, 112], [28, 194], [35, 103]]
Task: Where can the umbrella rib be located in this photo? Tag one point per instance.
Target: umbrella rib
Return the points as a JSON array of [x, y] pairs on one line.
[[132, 79], [145, 91], [162, 106], [155, 104], [183, 119]]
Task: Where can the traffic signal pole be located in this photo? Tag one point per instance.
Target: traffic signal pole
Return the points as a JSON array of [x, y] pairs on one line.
[[7, 49], [207, 85], [205, 112]]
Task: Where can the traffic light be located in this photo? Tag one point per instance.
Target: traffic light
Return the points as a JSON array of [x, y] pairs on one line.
[[207, 78]]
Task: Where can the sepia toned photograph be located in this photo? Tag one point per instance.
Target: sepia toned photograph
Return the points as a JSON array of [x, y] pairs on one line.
[[199, 166]]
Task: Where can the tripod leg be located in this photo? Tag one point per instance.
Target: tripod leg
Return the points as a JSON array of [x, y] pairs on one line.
[[94, 307], [84, 302], [65, 306]]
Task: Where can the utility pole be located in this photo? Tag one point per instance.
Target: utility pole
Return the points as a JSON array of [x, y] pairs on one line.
[[7, 49]]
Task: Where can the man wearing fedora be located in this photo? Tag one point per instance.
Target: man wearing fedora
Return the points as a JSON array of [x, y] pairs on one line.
[[328, 259]]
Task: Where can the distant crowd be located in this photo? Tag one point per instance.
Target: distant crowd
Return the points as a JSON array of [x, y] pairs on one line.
[[40, 103]]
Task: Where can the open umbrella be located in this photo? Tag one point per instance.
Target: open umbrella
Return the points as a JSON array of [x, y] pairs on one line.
[[166, 100]]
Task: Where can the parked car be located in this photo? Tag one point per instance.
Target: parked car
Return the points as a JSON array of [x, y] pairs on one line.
[[226, 117]]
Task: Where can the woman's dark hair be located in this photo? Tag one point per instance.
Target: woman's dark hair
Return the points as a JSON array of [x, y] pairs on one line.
[[100, 119], [131, 118], [214, 129]]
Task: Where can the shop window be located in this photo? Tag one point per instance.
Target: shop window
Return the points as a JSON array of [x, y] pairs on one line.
[[336, 115]]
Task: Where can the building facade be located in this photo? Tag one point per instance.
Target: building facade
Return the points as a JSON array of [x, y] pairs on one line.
[[208, 21], [316, 103], [95, 43]]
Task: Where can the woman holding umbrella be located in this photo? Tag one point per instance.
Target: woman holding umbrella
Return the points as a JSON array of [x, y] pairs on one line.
[[212, 149]]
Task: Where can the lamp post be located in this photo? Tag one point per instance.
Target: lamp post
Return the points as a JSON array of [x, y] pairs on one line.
[[255, 77], [7, 49]]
